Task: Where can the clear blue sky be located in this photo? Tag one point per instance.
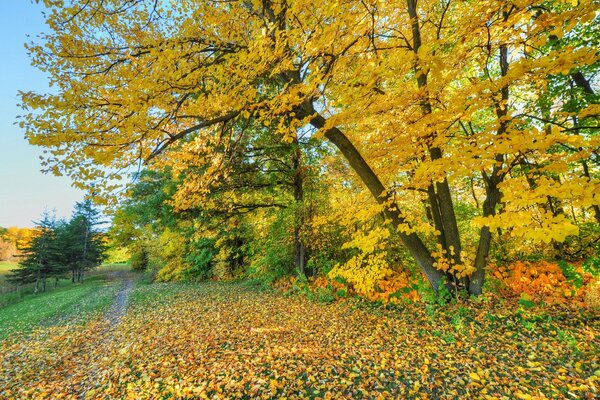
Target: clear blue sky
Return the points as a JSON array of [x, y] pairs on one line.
[[24, 191]]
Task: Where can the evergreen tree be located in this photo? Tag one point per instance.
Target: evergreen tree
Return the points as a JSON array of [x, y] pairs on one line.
[[41, 257], [82, 240]]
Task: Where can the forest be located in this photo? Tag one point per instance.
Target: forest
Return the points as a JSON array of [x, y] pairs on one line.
[[432, 167]]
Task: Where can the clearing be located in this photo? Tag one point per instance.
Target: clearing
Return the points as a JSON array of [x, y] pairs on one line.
[[226, 340]]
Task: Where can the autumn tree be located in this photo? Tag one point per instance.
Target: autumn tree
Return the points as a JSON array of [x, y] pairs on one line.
[[426, 101]]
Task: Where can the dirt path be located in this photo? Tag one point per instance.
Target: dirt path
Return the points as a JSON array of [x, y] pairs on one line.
[[119, 307], [105, 339]]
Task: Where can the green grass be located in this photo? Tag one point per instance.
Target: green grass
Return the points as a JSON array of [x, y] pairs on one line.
[[5, 268], [73, 303], [116, 267], [26, 291]]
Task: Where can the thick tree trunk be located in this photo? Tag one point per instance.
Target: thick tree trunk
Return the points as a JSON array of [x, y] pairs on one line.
[[434, 208], [440, 198], [413, 243]]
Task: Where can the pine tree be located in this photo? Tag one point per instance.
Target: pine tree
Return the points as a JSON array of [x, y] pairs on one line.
[[41, 257], [82, 241]]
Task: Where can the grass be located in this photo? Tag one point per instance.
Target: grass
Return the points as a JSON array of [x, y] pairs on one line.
[[8, 297], [5, 268], [69, 303]]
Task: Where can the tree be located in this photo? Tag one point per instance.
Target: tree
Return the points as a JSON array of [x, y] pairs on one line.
[[418, 97], [82, 243], [41, 258]]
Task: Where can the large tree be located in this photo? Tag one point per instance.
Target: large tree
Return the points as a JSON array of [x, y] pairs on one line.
[[418, 98]]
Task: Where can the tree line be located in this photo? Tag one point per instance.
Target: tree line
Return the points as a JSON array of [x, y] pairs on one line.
[[61, 249]]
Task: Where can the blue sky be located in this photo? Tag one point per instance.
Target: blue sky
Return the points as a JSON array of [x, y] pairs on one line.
[[24, 191]]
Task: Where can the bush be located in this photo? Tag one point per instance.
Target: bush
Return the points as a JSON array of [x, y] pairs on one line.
[[201, 259], [545, 281], [139, 260]]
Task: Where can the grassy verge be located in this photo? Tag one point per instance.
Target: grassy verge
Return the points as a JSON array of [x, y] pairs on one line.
[[72, 303], [8, 297]]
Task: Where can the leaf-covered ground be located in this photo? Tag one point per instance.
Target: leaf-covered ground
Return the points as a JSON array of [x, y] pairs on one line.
[[229, 341]]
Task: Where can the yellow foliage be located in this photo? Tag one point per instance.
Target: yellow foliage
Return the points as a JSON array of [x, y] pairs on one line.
[[363, 272], [170, 251]]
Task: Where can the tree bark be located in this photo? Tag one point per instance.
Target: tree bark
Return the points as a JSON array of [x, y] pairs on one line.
[[440, 198], [493, 194], [583, 83]]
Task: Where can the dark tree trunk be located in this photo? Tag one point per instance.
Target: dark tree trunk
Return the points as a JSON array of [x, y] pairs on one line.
[[440, 198], [583, 83], [299, 249], [413, 243], [493, 194]]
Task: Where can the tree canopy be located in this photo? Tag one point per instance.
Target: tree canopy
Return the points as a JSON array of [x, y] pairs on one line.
[[461, 119]]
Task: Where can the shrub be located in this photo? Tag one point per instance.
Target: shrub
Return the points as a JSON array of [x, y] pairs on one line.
[[545, 281]]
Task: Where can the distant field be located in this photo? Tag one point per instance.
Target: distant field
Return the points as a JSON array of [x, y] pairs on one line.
[[112, 268], [5, 268]]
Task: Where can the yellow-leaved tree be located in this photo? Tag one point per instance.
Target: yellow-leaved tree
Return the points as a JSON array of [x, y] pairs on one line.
[[433, 101]]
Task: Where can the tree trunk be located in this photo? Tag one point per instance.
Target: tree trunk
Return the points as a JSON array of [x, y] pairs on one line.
[[493, 194], [440, 197], [485, 240], [413, 243], [37, 283], [583, 83], [299, 249]]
